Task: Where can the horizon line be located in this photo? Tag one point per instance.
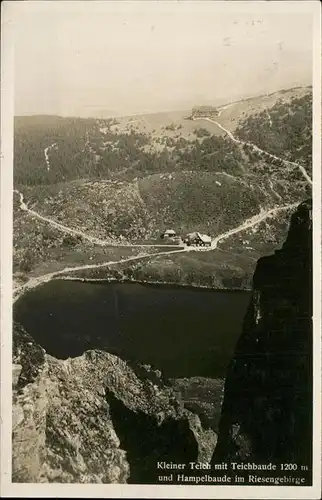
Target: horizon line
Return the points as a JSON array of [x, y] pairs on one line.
[[225, 103]]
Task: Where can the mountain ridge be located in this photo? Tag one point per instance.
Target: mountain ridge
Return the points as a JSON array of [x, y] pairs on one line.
[[184, 109]]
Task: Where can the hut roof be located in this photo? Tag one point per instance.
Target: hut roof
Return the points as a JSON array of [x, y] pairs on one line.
[[204, 238]]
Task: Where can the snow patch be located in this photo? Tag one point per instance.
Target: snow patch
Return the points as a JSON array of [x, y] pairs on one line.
[[54, 145]]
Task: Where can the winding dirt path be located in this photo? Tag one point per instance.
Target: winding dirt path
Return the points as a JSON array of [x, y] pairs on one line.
[[259, 150], [75, 232], [256, 219], [226, 106], [252, 221], [34, 282]]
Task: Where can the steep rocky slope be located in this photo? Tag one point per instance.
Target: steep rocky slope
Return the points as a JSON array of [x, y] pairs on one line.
[[267, 409], [96, 419], [99, 419]]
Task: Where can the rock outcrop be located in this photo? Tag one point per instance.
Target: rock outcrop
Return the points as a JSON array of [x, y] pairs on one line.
[[267, 408], [96, 419]]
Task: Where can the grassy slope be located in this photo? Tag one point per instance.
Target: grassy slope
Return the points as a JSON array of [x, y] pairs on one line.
[[231, 116], [113, 187]]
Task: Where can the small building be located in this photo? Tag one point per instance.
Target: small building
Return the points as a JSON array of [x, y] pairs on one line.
[[169, 233], [204, 111], [198, 239]]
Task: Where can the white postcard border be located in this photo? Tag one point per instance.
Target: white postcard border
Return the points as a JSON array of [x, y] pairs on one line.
[[9, 489]]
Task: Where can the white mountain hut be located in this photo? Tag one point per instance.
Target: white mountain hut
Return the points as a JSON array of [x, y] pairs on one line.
[[169, 233], [198, 239]]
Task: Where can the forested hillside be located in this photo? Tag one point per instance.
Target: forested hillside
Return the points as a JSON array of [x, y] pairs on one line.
[[82, 150], [284, 130], [129, 179], [50, 149]]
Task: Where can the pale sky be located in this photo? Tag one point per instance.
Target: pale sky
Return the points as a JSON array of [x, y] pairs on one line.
[[82, 58]]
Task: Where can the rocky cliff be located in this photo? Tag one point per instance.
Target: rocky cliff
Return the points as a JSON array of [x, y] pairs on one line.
[[267, 409], [96, 419], [99, 419]]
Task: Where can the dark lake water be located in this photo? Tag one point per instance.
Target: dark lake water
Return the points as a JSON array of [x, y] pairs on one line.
[[184, 332]]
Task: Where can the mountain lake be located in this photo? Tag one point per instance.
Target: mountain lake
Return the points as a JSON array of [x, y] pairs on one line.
[[183, 331]]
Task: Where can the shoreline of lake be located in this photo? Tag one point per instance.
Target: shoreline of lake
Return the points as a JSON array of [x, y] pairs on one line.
[[152, 284], [184, 331]]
